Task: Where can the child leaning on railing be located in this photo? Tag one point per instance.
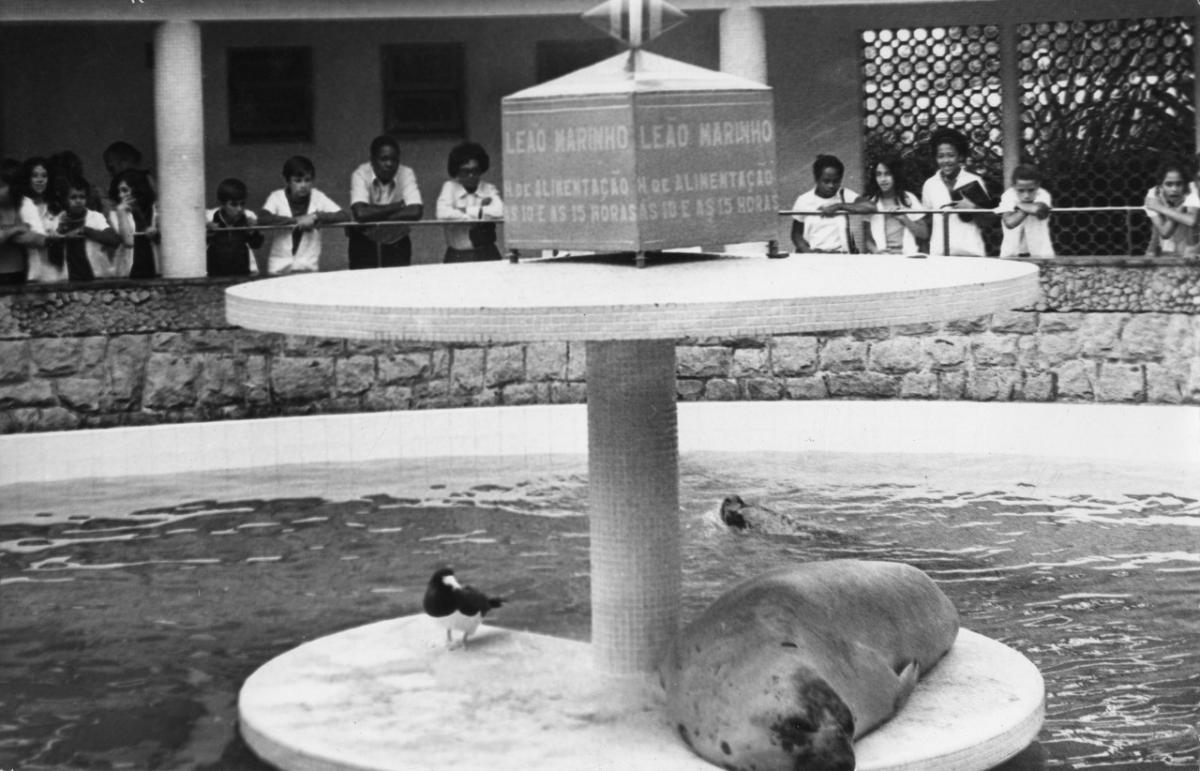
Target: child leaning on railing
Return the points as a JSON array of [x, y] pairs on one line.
[[1025, 211], [1172, 209]]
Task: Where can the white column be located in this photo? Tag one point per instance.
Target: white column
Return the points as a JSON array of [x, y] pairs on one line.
[[743, 43], [179, 127]]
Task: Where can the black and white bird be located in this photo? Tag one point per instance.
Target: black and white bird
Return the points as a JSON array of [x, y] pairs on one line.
[[456, 607]]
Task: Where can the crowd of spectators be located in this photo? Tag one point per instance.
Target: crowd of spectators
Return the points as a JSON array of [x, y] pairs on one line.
[[57, 226], [891, 218], [954, 204]]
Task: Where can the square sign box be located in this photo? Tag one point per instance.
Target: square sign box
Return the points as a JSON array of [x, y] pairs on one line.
[[662, 156]]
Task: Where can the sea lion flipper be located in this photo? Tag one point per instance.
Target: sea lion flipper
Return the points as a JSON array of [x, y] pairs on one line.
[[908, 681]]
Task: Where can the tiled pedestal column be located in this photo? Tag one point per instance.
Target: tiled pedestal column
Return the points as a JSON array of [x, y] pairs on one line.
[[633, 502]]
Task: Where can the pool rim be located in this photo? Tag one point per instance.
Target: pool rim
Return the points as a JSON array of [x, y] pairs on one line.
[[1143, 433]]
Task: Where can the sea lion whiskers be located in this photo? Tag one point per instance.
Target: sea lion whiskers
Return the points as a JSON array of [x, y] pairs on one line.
[[819, 734]]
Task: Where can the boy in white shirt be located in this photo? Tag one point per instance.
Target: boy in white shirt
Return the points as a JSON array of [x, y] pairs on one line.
[[82, 237], [825, 232], [1025, 211], [302, 205]]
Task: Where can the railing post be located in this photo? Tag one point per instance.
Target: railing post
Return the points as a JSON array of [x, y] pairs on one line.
[[946, 234], [1010, 90]]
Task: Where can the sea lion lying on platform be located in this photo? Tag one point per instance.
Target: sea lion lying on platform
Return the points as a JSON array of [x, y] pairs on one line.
[[785, 670]]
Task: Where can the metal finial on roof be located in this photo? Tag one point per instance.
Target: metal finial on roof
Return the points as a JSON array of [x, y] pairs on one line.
[[636, 22]]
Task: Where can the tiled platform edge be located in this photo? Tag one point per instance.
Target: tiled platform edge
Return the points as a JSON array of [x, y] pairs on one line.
[[108, 354]]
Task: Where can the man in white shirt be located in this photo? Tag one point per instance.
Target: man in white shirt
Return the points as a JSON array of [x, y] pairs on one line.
[[383, 191]]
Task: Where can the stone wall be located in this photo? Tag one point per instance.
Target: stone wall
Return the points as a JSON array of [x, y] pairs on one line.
[[1117, 284], [123, 353], [1013, 356]]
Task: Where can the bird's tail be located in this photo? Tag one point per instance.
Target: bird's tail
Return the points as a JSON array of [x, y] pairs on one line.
[[495, 602]]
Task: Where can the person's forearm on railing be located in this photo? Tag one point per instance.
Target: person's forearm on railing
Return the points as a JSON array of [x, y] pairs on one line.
[[268, 218], [1014, 218], [107, 237], [918, 227], [862, 206], [304, 222], [449, 212], [386, 212], [332, 217]]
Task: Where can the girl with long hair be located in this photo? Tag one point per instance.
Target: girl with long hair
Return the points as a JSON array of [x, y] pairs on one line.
[[135, 219], [889, 231], [39, 208]]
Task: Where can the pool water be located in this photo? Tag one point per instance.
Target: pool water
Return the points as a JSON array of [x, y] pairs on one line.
[[132, 611]]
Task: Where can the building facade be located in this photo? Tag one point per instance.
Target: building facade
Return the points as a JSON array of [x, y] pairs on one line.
[[208, 89]]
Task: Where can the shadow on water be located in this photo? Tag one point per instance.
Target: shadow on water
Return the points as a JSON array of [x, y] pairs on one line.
[[125, 637]]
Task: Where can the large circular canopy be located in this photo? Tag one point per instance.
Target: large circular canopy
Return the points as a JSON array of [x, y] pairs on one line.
[[608, 299]]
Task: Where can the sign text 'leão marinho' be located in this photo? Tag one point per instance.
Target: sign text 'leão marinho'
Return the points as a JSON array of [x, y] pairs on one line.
[[667, 156]]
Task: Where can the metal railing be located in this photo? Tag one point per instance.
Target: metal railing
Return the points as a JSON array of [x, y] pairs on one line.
[[53, 238], [1130, 213], [322, 226], [354, 224], [1135, 221]]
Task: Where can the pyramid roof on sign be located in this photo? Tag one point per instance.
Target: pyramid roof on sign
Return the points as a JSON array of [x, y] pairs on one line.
[[654, 73]]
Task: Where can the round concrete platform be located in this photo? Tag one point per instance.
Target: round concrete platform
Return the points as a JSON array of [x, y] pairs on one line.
[[390, 695], [677, 295]]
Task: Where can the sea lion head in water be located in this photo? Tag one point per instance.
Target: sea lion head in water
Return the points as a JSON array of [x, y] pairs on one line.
[[731, 509], [736, 514]]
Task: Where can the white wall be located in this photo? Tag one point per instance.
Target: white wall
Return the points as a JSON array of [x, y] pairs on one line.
[[77, 87]]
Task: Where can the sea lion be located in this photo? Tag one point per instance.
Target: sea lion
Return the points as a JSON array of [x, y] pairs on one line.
[[757, 518], [731, 512], [739, 515], [785, 670]]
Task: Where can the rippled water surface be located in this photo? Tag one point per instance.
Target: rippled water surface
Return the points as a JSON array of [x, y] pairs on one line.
[[131, 612]]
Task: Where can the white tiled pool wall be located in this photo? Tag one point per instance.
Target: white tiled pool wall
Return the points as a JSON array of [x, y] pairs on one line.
[[1138, 433]]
